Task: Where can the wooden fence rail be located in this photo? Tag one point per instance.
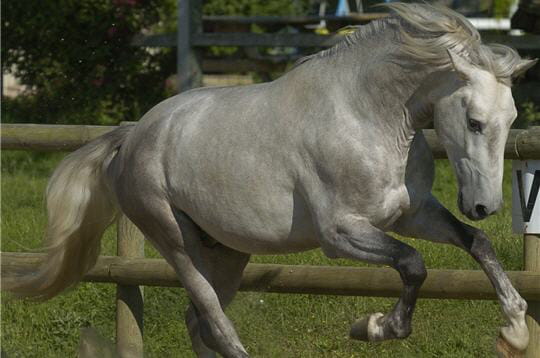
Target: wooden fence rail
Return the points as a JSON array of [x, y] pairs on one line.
[[130, 272], [322, 280], [284, 20], [196, 31], [521, 143]]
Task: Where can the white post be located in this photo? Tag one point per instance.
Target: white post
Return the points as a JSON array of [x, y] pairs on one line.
[[526, 220]]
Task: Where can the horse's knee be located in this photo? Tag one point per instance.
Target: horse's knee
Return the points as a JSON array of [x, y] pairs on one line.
[[410, 266], [480, 245]]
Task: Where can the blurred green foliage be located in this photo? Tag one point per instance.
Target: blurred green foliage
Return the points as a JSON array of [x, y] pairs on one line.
[[529, 115], [76, 59], [501, 8], [255, 7]]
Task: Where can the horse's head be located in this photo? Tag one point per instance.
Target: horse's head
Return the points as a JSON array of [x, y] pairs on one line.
[[472, 118]]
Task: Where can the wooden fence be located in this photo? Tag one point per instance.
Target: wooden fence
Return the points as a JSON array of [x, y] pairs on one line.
[[304, 279], [521, 144], [130, 270], [195, 32]]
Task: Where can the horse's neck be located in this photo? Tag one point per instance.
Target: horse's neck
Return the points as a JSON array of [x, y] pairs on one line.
[[383, 87], [371, 83], [434, 86], [420, 108]]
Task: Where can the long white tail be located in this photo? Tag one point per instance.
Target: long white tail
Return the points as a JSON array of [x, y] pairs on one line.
[[80, 207]]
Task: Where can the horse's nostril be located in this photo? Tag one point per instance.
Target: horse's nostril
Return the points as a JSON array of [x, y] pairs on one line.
[[481, 210]]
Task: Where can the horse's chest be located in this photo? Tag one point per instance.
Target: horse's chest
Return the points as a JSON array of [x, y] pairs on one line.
[[378, 193], [365, 173], [390, 206]]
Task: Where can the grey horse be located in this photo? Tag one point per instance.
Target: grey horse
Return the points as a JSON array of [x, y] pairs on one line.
[[330, 155]]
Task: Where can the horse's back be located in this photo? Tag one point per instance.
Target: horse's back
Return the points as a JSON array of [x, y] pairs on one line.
[[219, 157]]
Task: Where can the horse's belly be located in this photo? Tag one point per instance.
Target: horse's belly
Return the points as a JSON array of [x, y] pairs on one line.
[[264, 243], [256, 225]]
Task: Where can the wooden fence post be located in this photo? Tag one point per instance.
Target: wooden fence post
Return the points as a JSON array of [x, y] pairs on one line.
[[187, 60], [532, 263], [129, 299], [526, 220]]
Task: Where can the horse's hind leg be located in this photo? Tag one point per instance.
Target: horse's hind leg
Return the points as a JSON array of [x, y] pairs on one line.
[[156, 219], [223, 268]]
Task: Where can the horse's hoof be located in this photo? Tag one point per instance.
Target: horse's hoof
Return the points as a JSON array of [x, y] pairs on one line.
[[367, 329], [505, 349], [516, 333], [359, 329]]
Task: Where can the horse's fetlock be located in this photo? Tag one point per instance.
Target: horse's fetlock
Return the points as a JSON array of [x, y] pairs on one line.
[[399, 329], [403, 333], [522, 304], [517, 307]]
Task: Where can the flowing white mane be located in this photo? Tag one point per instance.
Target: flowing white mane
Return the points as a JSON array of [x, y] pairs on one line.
[[427, 32]]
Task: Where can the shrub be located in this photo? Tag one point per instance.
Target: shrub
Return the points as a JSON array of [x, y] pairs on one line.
[[76, 58]]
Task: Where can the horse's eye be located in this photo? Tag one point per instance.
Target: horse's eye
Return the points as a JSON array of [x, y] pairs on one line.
[[474, 126]]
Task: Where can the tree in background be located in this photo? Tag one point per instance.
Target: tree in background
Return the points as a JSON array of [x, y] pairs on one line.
[[76, 58], [256, 7]]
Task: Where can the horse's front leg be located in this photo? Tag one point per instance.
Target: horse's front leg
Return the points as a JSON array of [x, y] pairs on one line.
[[434, 222], [355, 238]]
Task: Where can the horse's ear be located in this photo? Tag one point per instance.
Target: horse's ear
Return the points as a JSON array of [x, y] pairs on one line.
[[523, 66], [463, 67]]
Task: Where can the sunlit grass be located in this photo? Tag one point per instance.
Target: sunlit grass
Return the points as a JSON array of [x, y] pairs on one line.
[[270, 325]]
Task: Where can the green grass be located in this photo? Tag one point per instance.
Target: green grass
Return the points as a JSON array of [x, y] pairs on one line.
[[270, 325]]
